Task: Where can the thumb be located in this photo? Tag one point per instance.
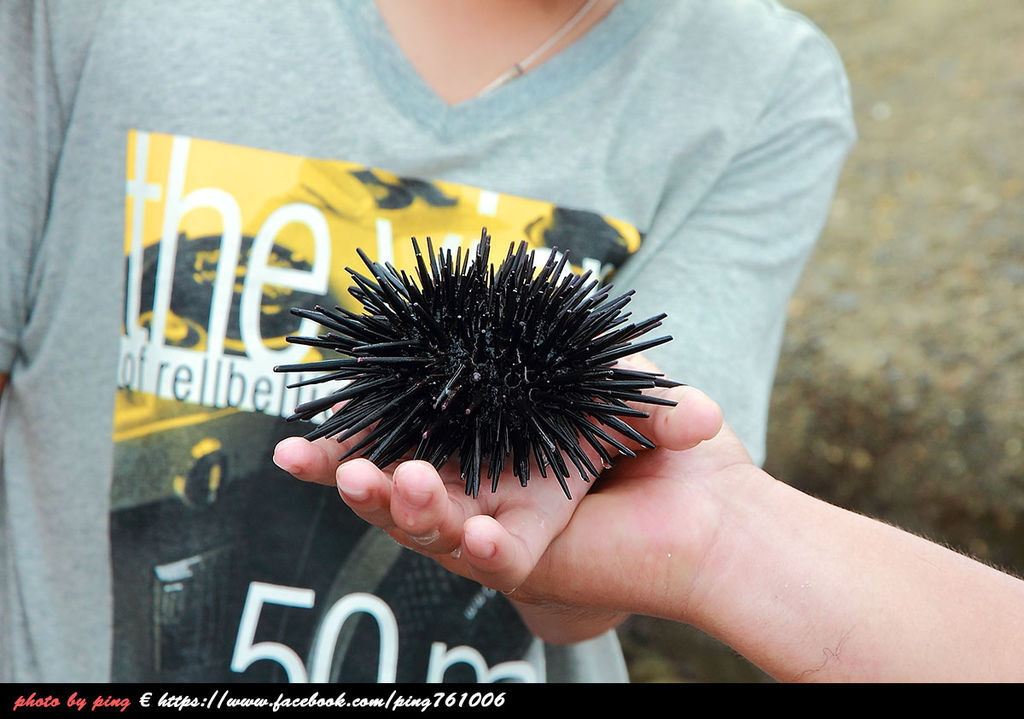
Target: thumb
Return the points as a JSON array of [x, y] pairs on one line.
[[694, 418]]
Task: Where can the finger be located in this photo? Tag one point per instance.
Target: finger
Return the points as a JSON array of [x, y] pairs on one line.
[[497, 558], [422, 508], [367, 491], [316, 461], [308, 461], [502, 550], [695, 418]]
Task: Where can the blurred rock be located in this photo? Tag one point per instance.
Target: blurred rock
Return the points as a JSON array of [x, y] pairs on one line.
[[900, 390]]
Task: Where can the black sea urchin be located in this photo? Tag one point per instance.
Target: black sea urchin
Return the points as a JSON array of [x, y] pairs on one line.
[[489, 363]]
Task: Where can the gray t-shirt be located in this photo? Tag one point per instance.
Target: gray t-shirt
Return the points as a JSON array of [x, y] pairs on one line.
[[174, 176]]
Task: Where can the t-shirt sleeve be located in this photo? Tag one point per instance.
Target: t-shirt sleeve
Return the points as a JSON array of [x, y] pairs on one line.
[[740, 251], [23, 172], [41, 49]]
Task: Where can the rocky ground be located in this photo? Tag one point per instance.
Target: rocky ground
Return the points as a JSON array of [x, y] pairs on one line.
[[900, 386]]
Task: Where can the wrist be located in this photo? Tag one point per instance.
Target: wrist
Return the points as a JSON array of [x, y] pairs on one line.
[[645, 560], [562, 624], [702, 561]]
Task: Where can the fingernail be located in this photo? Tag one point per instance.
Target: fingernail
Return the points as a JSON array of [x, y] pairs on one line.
[[356, 494], [289, 468], [415, 498], [483, 550]]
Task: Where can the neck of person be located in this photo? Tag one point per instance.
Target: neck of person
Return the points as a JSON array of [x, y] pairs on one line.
[[466, 48]]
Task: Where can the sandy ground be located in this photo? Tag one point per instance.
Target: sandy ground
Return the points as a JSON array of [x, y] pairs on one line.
[[900, 386]]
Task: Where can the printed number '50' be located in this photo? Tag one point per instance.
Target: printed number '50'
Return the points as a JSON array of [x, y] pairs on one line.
[[246, 652]]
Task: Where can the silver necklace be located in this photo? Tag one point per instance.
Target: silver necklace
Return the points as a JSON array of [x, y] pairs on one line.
[[520, 67]]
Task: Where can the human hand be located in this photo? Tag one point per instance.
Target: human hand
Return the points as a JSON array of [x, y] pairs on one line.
[[521, 541]]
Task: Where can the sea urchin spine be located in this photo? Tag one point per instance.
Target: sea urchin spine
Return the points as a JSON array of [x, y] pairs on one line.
[[483, 362]]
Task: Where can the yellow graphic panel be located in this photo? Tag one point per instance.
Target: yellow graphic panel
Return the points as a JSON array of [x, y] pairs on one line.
[[221, 241]]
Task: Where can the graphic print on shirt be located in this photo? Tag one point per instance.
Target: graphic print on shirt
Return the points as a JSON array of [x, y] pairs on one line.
[[224, 567]]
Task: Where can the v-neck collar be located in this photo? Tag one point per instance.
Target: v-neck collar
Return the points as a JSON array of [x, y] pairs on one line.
[[419, 103]]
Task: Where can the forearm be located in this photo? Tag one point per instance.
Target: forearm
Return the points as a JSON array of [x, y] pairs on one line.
[[809, 591]]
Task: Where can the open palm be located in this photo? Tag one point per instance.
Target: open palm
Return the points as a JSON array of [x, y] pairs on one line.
[[521, 539]]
